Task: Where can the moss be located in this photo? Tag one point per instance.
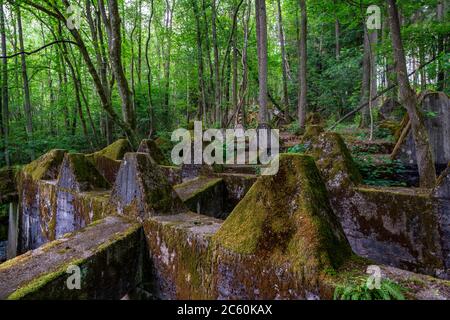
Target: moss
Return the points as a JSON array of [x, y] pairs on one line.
[[195, 189], [115, 151], [287, 218], [46, 167], [150, 147], [334, 159], [40, 282], [85, 174], [311, 132], [117, 237]]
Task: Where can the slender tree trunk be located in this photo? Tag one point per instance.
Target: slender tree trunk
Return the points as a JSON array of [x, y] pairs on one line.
[[26, 86], [284, 62], [168, 50], [149, 71], [5, 97], [337, 36], [409, 99], [201, 81], [218, 84], [261, 38], [115, 50], [365, 86], [302, 101], [234, 86], [442, 74]]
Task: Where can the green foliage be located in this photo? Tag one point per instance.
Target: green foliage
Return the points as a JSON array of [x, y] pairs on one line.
[[388, 290], [299, 148], [380, 173]]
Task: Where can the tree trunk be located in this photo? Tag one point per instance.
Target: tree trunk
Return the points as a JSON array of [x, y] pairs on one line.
[[302, 101], [365, 85], [149, 72], [261, 37], [284, 62], [442, 75], [26, 86], [201, 82], [5, 97], [116, 64], [217, 84], [409, 99], [168, 48]]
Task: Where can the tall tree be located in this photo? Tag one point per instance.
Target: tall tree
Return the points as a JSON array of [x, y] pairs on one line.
[[284, 62], [261, 38], [113, 23], [302, 101], [5, 97], [26, 86], [409, 99]]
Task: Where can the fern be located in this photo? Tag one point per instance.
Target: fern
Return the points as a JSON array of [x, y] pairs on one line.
[[388, 290]]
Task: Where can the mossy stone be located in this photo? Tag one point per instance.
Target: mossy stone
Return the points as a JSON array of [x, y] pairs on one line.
[[287, 218], [114, 151], [142, 190], [46, 167], [79, 174], [149, 146]]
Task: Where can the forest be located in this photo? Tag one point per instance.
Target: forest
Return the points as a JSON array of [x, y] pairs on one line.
[[143, 68], [350, 199]]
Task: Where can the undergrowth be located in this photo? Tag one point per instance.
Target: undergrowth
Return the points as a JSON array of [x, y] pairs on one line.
[[388, 290]]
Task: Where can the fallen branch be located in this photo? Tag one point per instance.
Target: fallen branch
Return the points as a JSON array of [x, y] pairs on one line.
[[378, 95]]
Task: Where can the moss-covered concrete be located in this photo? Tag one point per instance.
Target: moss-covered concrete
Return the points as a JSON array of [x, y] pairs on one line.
[[173, 174], [46, 167], [108, 253], [149, 146], [335, 161], [107, 167], [141, 189], [79, 174], [289, 222], [182, 264], [115, 151], [203, 195]]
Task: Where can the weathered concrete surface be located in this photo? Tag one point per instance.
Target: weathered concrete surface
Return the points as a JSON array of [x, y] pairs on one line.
[[236, 187], [59, 193], [179, 248], [108, 253], [285, 229], [107, 167], [442, 195], [396, 226], [52, 212], [142, 190], [173, 174], [36, 188], [150, 147], [436, 107], [187, 265], [115, 151], [203, 195], [78, 174]]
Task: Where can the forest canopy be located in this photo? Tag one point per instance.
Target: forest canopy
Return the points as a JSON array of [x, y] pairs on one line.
[[77, 75]]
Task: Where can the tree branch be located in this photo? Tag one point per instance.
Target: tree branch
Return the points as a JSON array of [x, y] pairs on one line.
[[39, 49]]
